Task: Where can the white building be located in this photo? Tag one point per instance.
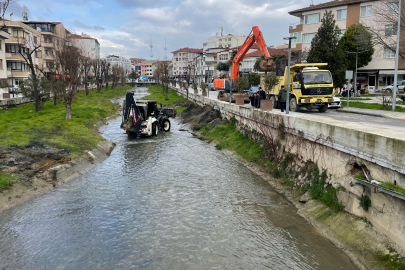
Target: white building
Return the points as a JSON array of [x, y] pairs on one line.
[[219, 41], [89, 46], [121, 61], [182, 59]]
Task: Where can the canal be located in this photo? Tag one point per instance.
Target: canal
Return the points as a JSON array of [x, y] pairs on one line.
[[171, 202]]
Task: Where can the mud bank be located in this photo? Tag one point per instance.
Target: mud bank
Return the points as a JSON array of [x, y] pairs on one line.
[[39, 168], [367, 247]]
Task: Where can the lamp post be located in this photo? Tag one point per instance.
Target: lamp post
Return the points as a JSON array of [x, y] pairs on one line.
[[394, 94], [287, 107], [355, 77]]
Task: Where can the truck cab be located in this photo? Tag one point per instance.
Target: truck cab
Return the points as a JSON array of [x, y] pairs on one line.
[[311, 86]]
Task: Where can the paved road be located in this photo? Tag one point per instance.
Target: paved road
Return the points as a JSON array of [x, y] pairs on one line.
[[383, 122]]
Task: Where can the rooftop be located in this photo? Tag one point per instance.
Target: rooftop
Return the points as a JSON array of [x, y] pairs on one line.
[[189, 50], [334, 3]]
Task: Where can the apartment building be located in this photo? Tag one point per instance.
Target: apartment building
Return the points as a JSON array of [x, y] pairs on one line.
[[89, 46], [220, 41], [21, 38], [182, 59], [380, 71], [136, 64], [120, 61], [146, 69], [52, 33], [156, 64]]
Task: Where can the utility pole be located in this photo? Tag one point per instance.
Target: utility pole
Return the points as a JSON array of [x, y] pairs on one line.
[[287, 104], [394, 94], [355, 76]]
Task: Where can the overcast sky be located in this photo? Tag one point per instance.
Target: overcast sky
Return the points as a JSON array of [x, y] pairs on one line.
[[124, 26]]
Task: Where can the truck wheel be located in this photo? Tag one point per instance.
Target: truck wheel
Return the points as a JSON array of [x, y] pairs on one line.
[[275, 103], [166, 125], [294, 107], [155, 129], [323, 108]]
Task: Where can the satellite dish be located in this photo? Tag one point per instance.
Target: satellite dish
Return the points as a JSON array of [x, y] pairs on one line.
[[39, 29]]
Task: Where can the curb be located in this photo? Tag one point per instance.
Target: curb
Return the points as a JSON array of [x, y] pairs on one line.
[[363, 113]]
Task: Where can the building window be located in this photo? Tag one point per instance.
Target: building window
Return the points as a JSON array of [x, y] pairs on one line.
[[229, 39], [311, 18], [342, 14], [392, 8], [297, 35], [390, 30], [365, 11], [35, 40], [1, 63], [308, 37], [388, 53]]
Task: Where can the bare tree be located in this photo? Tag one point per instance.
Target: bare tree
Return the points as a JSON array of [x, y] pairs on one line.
[[4, 5], [384, 26], [29, 56], [115, 76], [123, 77], [105, 69], [67, 68], [96, 63], [85, 66]]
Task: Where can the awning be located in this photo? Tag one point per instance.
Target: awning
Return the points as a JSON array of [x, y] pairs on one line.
[[391, 72]]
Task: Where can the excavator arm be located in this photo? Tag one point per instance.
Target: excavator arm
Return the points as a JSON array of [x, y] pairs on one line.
[[254, 36]]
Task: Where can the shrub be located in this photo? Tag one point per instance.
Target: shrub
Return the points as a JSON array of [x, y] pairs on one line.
[[365, 202]]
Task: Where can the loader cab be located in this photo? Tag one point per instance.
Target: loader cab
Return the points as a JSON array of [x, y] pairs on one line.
[[147, 108]]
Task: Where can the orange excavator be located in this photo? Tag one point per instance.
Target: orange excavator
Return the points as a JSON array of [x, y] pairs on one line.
[[255, 36]]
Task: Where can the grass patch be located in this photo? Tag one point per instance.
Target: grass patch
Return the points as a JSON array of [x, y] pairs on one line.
[[371, 106], [6, 181], [359, 98], [230, 138], [322, 192], [360, 176], [393, 187], [391, 261], [20, 126], [156, 94]]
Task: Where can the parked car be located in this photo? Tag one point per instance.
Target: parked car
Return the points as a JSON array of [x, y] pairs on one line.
[[210, 87], [252, 90], [389, 88], [336, 103]]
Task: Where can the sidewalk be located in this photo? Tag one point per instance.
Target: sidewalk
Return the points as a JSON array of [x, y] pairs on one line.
[[376, 113]]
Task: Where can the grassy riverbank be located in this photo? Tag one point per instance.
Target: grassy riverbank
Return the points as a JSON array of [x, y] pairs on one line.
[[157, 94], [21, 125]]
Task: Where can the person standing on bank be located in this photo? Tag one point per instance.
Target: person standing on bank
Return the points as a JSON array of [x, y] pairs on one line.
[[282, 98], [262, 93]]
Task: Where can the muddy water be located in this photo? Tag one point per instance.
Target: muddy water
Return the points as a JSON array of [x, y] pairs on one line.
[[171, 202]]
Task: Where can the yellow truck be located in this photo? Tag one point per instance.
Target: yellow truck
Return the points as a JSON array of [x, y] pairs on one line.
[[310, 87]]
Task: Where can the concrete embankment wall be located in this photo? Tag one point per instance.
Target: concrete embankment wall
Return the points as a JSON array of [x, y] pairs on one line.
[[338, 147]]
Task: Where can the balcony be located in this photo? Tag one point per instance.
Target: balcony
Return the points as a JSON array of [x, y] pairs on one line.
[[20, 40], [48, 57], [10, 56], [295, 28], [47, 44], [17, 74]]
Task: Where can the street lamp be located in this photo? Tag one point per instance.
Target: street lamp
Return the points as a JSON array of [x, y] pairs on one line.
[[287, 104], [355, 77], [394, 94]]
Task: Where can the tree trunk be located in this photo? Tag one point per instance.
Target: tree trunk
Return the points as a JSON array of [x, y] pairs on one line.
[[35, 82], [68, 105], [87, 88], [55, 100], [167, 90], [106, 86]]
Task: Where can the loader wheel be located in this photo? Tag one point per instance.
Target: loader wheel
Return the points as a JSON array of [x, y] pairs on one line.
[[155, 129], [294, 107], [166, 125]]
